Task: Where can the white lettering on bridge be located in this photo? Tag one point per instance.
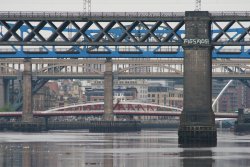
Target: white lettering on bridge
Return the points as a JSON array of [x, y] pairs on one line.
[[197, 41]]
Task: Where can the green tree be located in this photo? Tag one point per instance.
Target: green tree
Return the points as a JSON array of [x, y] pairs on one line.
[[6, 108]]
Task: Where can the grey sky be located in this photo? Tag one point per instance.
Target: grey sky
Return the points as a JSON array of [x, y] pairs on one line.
[[124, 5]]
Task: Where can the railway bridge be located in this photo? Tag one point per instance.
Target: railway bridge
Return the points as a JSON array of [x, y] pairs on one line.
[[196, 35]]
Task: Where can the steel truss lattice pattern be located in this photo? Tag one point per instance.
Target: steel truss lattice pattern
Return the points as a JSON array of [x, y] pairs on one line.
[[123, 35]]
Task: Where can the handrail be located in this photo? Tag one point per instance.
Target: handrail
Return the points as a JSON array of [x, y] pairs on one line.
[[66, 14], [231, 13], [60, 14]]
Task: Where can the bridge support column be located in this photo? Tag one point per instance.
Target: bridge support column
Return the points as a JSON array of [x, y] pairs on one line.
[[27, 115], [4, 92], [108, 90], [197, 121]]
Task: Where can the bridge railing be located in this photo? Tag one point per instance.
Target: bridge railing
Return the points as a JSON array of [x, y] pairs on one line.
[[231, 13], [31, 14]]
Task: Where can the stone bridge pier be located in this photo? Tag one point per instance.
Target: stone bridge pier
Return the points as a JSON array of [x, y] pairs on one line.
[[108, 91], [27, 115], [4, 92], [197, 121]]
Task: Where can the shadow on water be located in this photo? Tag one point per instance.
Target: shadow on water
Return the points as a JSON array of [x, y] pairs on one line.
[[198, 145], [197, 158], [197, 154]]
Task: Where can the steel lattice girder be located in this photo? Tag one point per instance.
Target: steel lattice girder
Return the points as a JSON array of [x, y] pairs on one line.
[[103, 38], [115, 35]]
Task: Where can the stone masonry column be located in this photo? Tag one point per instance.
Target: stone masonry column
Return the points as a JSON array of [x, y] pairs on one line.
[[109, 124], [7, 91], [27, 115], [2, 92], [108, 91], [197, 121]]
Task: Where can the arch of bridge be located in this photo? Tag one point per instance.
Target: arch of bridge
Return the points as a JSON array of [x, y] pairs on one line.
[[129, 106], [63, 65], [151, 65], [9, 68]]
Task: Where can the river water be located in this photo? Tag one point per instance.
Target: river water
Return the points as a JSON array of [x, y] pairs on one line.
[[148, 148]]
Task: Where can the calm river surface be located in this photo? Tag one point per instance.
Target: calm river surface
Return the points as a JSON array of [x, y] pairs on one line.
[[155, 148]]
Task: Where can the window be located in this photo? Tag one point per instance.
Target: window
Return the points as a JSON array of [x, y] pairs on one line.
[[171, 95]]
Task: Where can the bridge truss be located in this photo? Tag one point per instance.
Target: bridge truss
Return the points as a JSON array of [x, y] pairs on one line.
[[116, 35], [123, 68], [151, 35]]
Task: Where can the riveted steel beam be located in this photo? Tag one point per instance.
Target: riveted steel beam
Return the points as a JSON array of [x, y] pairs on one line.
[[35, 31]]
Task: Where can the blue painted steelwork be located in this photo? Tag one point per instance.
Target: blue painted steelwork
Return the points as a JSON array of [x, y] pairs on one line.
[[114, 52]]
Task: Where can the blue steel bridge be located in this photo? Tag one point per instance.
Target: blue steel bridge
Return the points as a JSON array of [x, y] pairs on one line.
[[116, 35]]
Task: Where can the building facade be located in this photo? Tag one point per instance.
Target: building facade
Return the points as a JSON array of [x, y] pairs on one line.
[[140, 85], [165, 96], [97, 95]]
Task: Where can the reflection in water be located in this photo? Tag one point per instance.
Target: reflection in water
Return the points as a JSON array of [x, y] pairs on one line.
[[108, 157], [26, 156], [144, 149], [199, 158], [38, 155]]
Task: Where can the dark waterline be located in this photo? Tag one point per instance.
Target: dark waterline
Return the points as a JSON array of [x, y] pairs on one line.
[[156, 148]]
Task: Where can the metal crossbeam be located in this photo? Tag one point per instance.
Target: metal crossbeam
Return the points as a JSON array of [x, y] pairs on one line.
[[104, 38], [55, 34]]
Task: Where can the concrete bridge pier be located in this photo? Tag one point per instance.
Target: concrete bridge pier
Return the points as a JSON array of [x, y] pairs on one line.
[[108, 124], [108, 91], [197, 121], [4, 92], [27, 115]]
